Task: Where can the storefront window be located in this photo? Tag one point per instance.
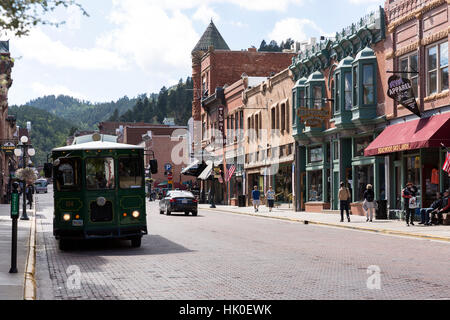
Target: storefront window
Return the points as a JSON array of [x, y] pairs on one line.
[[315, 185], [130, 173], [363, 177], [413, 171], [338, 95], [368, 85], [316, 154], [437, 67], [283, 184], [361, 144], [348, 91], [409, 63], [100, 173]]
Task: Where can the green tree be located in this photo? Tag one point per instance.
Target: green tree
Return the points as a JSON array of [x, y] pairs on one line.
[[19, 16]]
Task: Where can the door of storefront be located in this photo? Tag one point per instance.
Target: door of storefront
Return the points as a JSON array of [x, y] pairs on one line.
[[336, 190]]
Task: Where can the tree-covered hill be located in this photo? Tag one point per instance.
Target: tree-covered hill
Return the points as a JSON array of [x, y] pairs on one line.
[[175, 102], [88, 115], [47, 130]]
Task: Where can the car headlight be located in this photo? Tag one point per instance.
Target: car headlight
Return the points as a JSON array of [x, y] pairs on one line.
[[66, 217], [136, 214]]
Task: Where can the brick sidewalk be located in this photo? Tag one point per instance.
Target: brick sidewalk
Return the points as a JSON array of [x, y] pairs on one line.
[[395, 227], [12, 285]]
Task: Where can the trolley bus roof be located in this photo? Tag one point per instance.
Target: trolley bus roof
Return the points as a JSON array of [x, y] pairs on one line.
[[98, 145]]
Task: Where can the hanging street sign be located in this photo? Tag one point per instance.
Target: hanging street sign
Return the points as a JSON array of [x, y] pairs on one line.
[[8, 148], [400, 90], [313, 117]]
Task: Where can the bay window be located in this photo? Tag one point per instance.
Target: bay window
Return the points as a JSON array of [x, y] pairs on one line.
[[437, 67]]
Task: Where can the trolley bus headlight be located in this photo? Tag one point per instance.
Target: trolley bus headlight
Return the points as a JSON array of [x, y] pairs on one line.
[[136, 214], [66, 217]]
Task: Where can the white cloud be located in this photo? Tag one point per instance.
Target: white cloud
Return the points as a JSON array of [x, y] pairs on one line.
[[266, 5], [39, 47], [155, 39], [41, 89], [238, 24], [205, 14], [296, 29]]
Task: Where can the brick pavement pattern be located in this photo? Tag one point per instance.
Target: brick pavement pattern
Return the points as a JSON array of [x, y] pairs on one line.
[[226, 256]]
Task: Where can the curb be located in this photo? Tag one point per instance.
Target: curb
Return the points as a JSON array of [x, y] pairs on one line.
[[327, 224], [30, 281]]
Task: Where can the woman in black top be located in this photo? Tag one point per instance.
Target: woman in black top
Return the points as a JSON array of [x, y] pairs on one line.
[[369, 202]]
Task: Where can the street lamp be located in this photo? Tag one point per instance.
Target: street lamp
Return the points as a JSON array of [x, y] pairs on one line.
[[23, 149]]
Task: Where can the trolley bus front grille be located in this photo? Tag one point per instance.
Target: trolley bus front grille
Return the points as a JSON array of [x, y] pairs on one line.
[[101, 214]]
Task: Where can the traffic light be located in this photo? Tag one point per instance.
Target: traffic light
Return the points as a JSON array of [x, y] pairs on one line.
[[154, 166]]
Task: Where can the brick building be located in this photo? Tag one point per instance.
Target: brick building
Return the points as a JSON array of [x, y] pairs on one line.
[[7, 123], [214, 68], [416, 41]]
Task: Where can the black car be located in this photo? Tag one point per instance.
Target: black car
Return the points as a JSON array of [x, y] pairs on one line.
[[178, 201]]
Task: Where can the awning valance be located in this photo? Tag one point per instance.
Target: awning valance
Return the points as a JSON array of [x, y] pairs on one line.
[[422, 133], [207, 172]]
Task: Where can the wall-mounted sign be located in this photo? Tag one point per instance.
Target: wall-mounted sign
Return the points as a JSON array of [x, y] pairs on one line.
[[313, 117], [221, 122], [400, 89], [8, 148]]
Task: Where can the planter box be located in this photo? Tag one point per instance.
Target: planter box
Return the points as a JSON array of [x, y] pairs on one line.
[[317, 206]]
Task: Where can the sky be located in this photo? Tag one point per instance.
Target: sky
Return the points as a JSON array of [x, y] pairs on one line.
[[131, 47]]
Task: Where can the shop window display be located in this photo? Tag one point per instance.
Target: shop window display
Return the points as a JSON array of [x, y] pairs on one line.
[[315, 185], [413, 172], [283, 184], [363, 176]]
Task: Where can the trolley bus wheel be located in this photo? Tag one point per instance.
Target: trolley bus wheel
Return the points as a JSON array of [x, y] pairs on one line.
[[194, 213], [168, 212], [186, 213], [161, 212], [136, 242]]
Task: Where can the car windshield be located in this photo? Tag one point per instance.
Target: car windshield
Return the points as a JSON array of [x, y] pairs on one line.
[[180, 194]]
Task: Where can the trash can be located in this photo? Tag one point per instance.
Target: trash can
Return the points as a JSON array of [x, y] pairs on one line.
[[241, 201], [381, 212]]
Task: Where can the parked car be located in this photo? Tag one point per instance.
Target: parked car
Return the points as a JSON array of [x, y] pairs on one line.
[[179, 201], [41, 186]]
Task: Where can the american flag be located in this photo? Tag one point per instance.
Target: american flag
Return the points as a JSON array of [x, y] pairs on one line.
[[446, 166], [230, 173]]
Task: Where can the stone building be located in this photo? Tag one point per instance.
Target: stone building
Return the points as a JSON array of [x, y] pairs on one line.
[[269, 144]]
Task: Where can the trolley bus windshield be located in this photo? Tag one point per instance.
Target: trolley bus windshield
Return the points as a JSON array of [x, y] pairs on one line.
[[100, 173], [130, 173], [67, 174]]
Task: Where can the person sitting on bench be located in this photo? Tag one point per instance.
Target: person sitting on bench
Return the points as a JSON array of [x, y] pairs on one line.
[[435, 207], [446, 204]]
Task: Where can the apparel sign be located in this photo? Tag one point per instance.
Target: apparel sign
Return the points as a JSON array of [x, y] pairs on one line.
[[400, 89], [313, 117]]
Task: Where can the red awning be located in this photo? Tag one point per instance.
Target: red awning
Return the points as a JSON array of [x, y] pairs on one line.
[[422, 133]]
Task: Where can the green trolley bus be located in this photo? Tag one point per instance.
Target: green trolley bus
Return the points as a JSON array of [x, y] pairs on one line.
[[99, 191]]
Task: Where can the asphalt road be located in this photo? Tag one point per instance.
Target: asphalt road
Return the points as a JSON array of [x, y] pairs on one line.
[[225, 256]]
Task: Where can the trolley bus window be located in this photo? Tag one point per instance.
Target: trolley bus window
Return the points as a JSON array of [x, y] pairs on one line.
[[67, 174], [100, 173], [130, 173]]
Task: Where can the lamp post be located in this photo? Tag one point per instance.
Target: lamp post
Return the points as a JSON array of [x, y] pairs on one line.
[[23, 149]]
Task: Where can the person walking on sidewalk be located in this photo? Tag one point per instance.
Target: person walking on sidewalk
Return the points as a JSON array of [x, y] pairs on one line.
[[256, 195], [369, 202], [344, 201], [409, 195], [270, 195]]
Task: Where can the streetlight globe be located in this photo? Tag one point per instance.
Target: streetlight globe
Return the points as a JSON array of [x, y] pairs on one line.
[[18, 152], [24, 139], [31, 152]]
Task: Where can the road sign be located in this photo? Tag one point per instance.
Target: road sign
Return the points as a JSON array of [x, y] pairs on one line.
[[14, 205], [169, 176], [168, 167]]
